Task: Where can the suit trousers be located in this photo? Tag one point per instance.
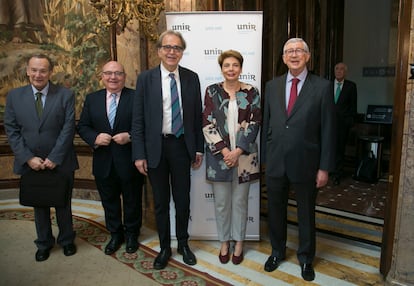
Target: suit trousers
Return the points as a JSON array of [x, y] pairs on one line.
[[172, 176], [45, 238], [122, 202], [278, 195], [231, 208]]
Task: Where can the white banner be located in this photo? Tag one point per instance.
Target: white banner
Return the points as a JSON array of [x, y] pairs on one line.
[[207, 35]]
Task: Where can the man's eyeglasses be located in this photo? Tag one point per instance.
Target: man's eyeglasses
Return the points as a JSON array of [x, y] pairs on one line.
[[176, 49], [110, 73], [299, 52]]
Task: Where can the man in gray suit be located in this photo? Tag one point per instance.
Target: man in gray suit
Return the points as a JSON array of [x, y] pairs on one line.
[[298, 151], [166, 140], [44, 140]]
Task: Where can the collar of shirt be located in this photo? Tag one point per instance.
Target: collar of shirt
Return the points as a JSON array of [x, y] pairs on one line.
[[109, 95], [341, 82], [44, 91], [165, 74], [302, 76]]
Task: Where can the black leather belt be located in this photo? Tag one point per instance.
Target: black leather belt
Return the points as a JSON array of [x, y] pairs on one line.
[[170, 136]]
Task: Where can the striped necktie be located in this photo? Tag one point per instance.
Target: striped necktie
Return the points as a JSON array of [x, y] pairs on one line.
[[177, 127], [338, 92], [112, 110], [39, 104]]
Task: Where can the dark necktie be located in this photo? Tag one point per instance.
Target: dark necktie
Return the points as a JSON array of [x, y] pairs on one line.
[[112, 110], [293, 95], [337, 92], [39, 104], [177, 127]]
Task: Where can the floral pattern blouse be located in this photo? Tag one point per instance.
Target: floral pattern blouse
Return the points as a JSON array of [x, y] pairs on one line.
[[215, 129]]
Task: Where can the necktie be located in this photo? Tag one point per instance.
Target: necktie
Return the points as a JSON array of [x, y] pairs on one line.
[[293, 95], [112, 110], [177, 127], [39, 104], [337, 92]]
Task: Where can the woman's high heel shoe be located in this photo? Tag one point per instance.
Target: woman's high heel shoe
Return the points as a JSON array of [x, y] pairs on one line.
[[226, 257], [237, 259]]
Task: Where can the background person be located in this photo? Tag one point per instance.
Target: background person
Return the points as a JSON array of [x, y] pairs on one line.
[[345, 97], [298, 150], [44, 141], [167, 139], [231, 121], [118, 182]]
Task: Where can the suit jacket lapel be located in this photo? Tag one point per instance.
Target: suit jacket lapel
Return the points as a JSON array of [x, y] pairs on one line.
[[156, 85], [184, 86], [281, 90], [51, 99], [304, 94], [28, 99]]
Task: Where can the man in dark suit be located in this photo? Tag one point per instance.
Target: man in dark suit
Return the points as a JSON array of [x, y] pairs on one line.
[[298, 151], [345, 97], [105, 124], [167, 140], [44, 140]]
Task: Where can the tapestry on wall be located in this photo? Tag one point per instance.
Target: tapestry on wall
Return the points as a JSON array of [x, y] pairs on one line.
[[66, 30]]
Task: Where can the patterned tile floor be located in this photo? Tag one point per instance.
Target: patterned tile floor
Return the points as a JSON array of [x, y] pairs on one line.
[[339, 261]]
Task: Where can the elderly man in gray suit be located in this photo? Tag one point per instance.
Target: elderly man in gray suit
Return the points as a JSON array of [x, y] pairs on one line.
[[298, 150], [40, 124]]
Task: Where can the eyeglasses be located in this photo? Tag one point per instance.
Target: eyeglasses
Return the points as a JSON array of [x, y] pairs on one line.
[[110, 73], [299, 52], [176, 49]]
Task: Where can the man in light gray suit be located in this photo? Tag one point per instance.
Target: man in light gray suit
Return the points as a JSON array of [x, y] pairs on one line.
[[44, 140], [298, 150]]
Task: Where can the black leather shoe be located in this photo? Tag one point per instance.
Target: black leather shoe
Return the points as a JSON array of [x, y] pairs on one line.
[[162, 258], [113, 245], [42, 254], [69, 249], [272, 263], [188, 256], [308, 273], [131, 244]]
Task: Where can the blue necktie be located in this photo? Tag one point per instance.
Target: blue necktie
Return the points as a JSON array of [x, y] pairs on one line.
[[177, 127], [39, 104], [112, 110]]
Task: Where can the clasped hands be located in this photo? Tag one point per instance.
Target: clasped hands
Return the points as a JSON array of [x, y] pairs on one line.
[[231, 158], [37, 163], [104, 139]]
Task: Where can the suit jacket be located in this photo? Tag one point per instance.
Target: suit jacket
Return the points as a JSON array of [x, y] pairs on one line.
[[50, 136], [303, 142], [346, 107], [148, 115], [94, 120]]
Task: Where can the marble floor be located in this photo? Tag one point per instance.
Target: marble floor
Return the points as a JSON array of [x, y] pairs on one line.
[[339, 261]]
